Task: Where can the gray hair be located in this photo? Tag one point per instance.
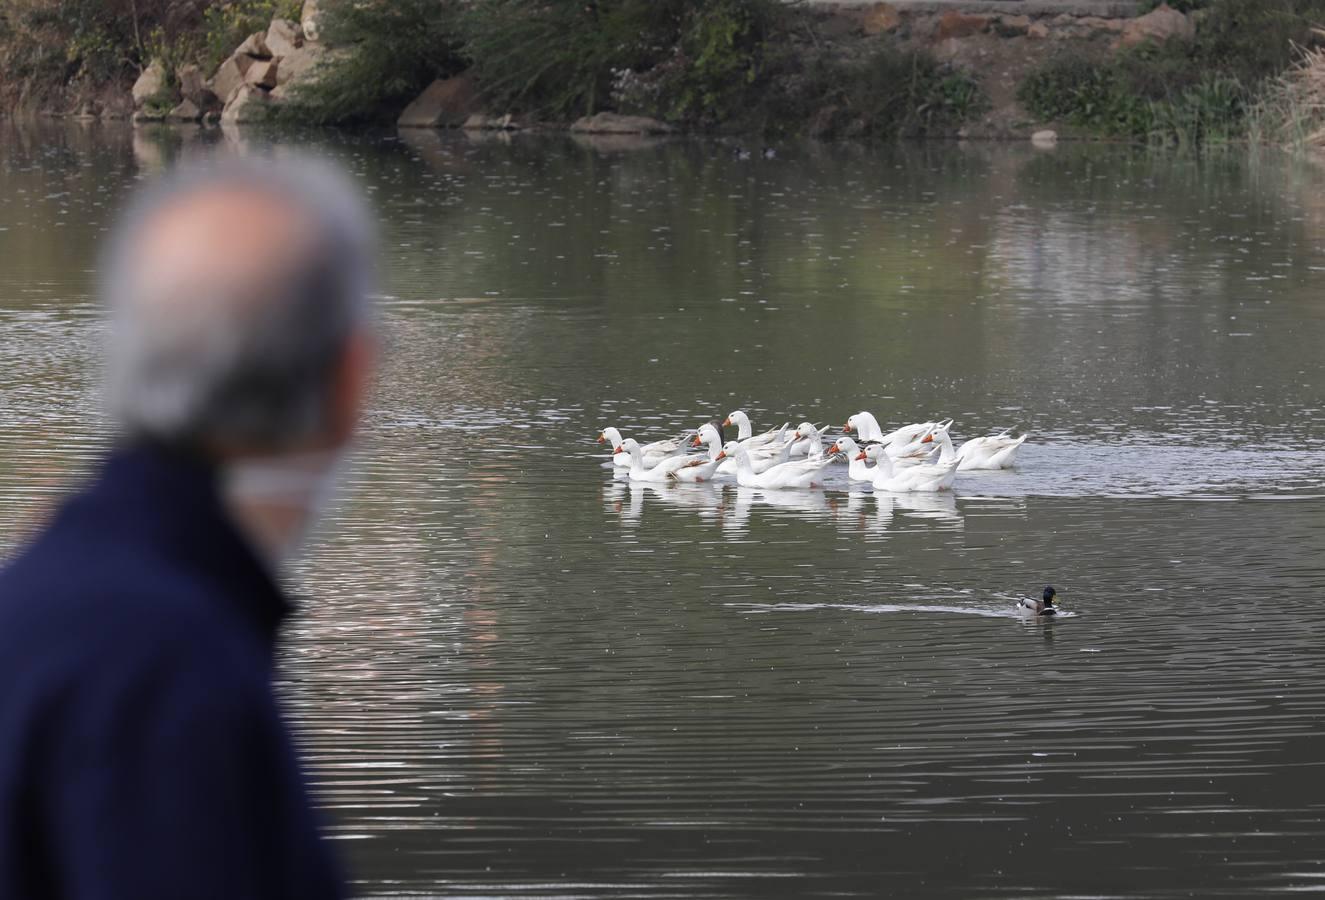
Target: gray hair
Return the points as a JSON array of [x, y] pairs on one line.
[[242, 361]]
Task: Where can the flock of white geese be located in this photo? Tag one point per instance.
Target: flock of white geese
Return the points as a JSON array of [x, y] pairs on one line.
[[918, 457]]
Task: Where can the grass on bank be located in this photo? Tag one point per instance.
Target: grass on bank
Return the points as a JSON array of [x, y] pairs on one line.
[[734, 65], [1208, 90]]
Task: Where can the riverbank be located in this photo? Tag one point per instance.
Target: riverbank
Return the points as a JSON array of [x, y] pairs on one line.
[[1201, 71]]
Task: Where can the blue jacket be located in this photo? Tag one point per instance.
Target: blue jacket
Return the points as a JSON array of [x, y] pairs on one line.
[[142, 754]]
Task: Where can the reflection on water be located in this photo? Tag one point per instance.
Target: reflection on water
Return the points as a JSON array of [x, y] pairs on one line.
[[521, 676]]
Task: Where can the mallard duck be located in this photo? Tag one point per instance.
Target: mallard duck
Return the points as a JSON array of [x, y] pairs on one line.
[[1042, 607]]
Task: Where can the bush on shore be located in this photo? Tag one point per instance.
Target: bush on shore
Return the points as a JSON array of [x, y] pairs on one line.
[[1202, 91], [738, 65], [386, 54]]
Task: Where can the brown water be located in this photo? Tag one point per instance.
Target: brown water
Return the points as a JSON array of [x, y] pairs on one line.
[[522, 677]]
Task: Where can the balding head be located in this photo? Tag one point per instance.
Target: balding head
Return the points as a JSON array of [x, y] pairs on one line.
[[236, 291]]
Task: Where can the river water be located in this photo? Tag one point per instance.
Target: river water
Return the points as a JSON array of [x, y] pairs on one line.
[[519, 676]]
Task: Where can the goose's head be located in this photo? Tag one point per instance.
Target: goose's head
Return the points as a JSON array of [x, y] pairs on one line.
[[805, 430], [861, 422], [875, 452], [630, 446], [610, 434], [936, 432], [844, 445], [707, 434], [737, 418], [734, 449]]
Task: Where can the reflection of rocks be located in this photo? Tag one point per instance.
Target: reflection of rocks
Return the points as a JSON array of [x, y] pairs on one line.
[[483, 122], [618, 143], [614, 123]]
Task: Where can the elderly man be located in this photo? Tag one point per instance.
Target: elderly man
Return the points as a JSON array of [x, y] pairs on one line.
[[142, 754]]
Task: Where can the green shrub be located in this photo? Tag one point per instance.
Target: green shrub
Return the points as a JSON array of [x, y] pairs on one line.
[[386, 53], [723, 57], [560, 57], [1097, 96]]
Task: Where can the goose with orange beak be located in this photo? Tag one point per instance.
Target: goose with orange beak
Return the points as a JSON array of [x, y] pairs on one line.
[[807, 441], [639, 471], [857, 468], [653, 453], [925, 477], [794, 474], [997, 451]]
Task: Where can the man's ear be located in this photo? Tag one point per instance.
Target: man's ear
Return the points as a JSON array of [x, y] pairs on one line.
[[350, 385]]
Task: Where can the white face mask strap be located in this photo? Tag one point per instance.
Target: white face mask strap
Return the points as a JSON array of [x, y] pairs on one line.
[[305, 484]]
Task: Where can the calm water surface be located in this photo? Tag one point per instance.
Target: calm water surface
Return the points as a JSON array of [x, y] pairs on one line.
[[521, 677]]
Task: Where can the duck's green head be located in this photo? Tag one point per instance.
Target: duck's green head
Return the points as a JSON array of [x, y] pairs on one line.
[[1049, 594]]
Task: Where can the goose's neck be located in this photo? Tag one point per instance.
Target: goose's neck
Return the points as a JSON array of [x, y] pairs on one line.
[[884, 468], [743, 429], [948, 454], [858, 467], [715, 447], [869, 427]]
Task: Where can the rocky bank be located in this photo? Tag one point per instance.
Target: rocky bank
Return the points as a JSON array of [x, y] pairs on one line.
[[998, 44]]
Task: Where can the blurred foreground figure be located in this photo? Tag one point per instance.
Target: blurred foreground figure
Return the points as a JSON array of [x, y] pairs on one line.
[[141, 751]]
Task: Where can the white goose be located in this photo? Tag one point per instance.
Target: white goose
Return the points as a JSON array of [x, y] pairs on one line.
[[924, 477], [797, 474], [745, 431], [869, 431], [761, 459], [639, 471], [857, 469], [807, 442], [997, 451], [652, 453]]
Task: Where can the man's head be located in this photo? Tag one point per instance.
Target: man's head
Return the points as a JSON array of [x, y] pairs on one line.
[[241, 331], [238, 298]]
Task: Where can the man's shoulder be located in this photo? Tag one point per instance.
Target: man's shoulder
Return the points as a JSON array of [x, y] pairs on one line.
[[88, 599]]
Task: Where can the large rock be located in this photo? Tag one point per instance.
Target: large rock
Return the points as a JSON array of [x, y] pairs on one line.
[[308, 20], [262, 74], [1161, 24], [187, 111], [446, 103], [230, 77], [283, 37], [247, 105], [299, 63], [1012, 26], [255, 45], [612, 123], [881, 18], [192, 85], [152, 83], [960, 25]]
